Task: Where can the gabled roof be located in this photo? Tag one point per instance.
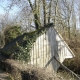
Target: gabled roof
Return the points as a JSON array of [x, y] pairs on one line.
[[65, 43]]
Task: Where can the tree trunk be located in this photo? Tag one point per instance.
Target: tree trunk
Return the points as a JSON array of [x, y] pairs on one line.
[[36, 17], [49, 16], [44, 11]]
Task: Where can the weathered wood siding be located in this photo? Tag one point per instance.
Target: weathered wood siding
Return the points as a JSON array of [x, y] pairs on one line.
[[48, 45]]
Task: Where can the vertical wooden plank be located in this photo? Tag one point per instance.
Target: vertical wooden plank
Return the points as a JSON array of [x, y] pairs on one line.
[[43, 49]]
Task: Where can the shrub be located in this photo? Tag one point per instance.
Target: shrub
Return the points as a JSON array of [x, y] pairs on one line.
[[74, 63], [11, 33], [22, 54]]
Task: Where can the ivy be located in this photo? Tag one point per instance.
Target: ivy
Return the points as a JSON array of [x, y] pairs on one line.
[[21, 46]]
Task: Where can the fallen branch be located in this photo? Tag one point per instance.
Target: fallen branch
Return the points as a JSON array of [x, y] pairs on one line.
[[62, 67], [67, 69]]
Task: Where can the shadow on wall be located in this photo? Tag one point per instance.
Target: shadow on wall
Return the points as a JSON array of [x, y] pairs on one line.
[[51, 33]]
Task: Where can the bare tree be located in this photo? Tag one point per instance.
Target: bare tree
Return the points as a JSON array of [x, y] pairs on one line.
[[36, 17], [63, 14]]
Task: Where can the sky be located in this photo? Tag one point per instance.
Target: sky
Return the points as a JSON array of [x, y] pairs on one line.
[[4, 7], [5, 3]]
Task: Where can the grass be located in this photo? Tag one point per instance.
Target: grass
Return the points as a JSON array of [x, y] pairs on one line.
[[66, 75], [74, 44], [4, 75], [74, 63]]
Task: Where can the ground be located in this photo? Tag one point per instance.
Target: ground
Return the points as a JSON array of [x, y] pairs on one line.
[[23, 71], [4, 76], [62, 75]]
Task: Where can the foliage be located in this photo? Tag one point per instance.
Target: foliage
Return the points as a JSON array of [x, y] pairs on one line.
[[74, 44], [22, 54], [25, 40], [11, 33], [28, 40], [74, 64]]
